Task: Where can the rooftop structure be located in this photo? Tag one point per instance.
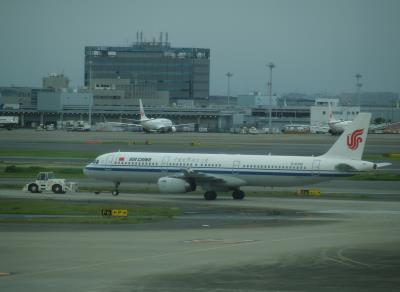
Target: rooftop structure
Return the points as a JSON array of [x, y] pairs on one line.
[[55, 81]]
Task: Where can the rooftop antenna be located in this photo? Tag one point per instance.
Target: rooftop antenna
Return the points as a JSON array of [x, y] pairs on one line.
[[358, 87], [166, 37]]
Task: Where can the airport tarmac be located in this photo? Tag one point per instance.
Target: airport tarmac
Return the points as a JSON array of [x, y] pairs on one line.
[[380, 190], [259, 244], [101, 142]]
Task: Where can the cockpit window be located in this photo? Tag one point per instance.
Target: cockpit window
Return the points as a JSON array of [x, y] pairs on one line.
[[95, 161]]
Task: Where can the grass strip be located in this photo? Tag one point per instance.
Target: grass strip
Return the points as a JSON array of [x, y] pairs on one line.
[[81, 212], [47, 153], [30, 171]]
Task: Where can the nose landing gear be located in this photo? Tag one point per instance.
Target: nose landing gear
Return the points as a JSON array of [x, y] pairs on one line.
[[115, 192]]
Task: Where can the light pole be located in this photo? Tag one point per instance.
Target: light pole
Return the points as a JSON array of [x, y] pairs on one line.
[[91, 94], [271, 66], [229, 75], [358, 87]]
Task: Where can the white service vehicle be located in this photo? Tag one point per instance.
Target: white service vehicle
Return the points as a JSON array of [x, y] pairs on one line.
[[9, 122], [81, 126], [46, 181]]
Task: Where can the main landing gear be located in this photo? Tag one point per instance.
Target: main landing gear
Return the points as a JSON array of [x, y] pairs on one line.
[[210, 195], [115, 192], [237, 194]]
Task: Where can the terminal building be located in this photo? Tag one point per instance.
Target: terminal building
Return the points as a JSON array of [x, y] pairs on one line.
[[256, 99], [152, 67], [323, 107]]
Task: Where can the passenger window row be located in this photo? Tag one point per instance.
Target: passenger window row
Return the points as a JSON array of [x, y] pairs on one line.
[[298, 167], [169, 164], [257, 166]]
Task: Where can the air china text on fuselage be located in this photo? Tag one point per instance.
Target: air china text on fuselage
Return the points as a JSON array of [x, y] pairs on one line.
[[184, 172]]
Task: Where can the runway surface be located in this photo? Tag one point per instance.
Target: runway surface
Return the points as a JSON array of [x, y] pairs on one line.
[[381, 190], [279, 144], [259, 244], [332, 243]]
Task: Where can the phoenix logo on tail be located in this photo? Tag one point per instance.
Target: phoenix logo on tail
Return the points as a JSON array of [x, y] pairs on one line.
[[354, 139]]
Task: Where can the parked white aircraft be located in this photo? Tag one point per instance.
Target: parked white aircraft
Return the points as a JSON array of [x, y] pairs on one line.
[[336, 127], [160, 125], [149, 125], [183, 172]]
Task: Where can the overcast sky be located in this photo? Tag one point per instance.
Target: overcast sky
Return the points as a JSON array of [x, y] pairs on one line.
[[317, 45]]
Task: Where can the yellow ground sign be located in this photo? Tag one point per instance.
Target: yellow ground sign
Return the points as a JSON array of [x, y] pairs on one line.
[[114, 212], [311, 192], [119, 213]]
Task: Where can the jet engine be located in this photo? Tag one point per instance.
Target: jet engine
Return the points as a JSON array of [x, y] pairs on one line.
[[173, 185], [173, 129]]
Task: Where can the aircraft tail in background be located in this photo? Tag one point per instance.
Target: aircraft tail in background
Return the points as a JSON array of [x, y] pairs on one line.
[[142, 114]]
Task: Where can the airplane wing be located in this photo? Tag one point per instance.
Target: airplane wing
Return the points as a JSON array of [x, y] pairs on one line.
[[161, 129], [117, 124], [182, 125], [218, 181], [133, 120]]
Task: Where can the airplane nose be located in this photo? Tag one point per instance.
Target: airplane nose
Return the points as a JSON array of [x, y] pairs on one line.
[[86, 170]]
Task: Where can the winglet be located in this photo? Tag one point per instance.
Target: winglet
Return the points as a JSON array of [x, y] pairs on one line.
[[351, 143]]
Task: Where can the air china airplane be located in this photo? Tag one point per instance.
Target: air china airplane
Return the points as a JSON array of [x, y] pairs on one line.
[[184, 172]]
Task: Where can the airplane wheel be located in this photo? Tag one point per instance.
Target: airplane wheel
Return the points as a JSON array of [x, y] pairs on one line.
[[210, 195], [193, 186], [238, 195], [115, 193], [33, 188], [57, 189]]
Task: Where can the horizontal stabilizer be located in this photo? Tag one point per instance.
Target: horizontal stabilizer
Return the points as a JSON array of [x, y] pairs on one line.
[[382, 164]]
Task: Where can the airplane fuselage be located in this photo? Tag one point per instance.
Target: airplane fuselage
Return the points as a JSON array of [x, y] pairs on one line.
[[338, 127], [235, 170], [157, 125]]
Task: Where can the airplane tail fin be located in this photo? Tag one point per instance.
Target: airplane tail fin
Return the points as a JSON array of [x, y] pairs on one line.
[[351, 143], [142, 114]]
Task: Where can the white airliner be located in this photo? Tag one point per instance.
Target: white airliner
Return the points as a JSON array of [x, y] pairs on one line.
[[149, 125], [160, 125], [336, 127], [183, 172]]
